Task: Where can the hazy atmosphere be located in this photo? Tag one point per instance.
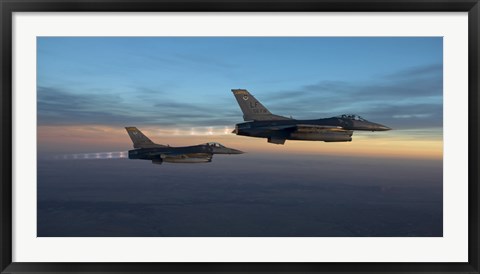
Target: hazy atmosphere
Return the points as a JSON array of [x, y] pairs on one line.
[[177, 91]]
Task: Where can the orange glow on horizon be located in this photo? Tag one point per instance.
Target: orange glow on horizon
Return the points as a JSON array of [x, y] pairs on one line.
[[86, 139]]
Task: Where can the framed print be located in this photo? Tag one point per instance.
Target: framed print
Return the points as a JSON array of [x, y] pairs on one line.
[[226, 136]]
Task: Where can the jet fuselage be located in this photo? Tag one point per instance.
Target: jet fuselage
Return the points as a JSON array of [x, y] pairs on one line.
[[347, 124], [189, 154], [145, 149], [260, 122], [306, 130]]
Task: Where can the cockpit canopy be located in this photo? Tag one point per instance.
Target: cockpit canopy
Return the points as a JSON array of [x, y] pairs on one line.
[[352, 117], [214, 144]]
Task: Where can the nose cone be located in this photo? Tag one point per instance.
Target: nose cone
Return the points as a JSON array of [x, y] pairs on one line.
[[380, 127], [368, 126], [235, 151], [226, 150]]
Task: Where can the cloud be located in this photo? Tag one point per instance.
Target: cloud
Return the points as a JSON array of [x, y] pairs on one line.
[[415, 93], [410, 98], [415, 115], [61, 107], [56, 106], [418, 71]]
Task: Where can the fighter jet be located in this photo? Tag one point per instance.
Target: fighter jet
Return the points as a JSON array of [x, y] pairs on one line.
[[145, 149], [263, 124]]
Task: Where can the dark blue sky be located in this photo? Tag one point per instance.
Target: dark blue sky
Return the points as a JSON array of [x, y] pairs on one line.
[[187, 81]]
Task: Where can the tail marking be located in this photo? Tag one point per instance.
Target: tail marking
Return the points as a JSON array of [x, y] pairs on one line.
[[139, 139], [252, 109]]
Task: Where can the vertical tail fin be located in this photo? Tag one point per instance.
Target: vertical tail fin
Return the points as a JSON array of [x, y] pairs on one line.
[[252, 109], [139, 139]]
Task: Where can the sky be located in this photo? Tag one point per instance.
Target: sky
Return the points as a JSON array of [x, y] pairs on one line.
[[177, 90]]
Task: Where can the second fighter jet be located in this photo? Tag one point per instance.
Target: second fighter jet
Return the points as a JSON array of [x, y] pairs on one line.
[[262, 123]]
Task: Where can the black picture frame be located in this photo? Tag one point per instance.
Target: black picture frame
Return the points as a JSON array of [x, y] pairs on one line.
[[8, 7]]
